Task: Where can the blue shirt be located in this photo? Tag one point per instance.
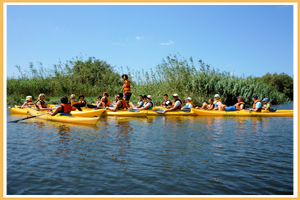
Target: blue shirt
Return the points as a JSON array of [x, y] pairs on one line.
[[258, 105]]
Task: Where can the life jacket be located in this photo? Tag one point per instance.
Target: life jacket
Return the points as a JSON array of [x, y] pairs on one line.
[[165, 101], [238, 104], [102, 104], [43, 104], [65, 108], [29, 103], [123, 104], [126, 86], [210, 105], [150, 107], [254, 105], [265, 105], [83, 101], [180, 106], [108, 102], [216, 101], [72, 103]]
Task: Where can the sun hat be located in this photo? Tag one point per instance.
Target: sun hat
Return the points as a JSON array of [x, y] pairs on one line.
[[189, 98], [175, 95], [217, 95], [265, 99], [149, 97], [254, 96], [28, 98]]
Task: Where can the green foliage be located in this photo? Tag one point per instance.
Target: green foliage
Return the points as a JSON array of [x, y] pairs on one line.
[[174, 75], [90, 78], [281, 82]]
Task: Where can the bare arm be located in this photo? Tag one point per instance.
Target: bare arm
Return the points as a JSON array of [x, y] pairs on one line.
[[146, 107], [55, 111]]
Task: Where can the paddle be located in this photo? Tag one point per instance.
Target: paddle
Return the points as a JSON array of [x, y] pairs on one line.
[[91, 106], [160, 111], [79, 105], [134, 110], [24, 107], [26, 118], [186, 110]]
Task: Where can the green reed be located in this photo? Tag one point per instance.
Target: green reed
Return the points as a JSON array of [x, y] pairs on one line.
[[173, 75]]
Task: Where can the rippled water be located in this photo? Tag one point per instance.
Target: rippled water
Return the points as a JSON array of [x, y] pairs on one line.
[[153, 156]]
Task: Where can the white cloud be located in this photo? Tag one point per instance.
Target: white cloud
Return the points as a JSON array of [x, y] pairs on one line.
[[228, 65], [139, 37], [168, 43]]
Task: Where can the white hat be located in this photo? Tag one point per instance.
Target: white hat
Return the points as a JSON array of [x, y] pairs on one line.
[[217, 95], [189, 98], [28, 98], [175, 95], [149, 97]]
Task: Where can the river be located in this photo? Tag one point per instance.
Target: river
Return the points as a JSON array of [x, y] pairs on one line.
[[152, 156]]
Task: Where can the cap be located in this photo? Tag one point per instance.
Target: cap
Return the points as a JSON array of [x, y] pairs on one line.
[[175, 95], [265, 99], [217, 95], [28, 98], [254, 96], [189, 98], [149, 97]]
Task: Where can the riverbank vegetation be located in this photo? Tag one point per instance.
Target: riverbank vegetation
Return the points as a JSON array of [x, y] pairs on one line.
[[174, 75]]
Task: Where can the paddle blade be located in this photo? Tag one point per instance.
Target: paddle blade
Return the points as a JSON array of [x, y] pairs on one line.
[[134, 110], [160, 111], [186, 110], [16, 121]]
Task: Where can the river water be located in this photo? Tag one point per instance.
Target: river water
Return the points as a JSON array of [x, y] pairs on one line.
[[152, 156]]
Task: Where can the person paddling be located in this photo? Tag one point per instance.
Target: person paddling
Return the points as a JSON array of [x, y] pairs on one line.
[[120, 105], [126, 89], [177, 104], [257, 105], [267, 105], [64, 107], [139, 104], [148, 105], [28, 102], [167, 102], [240, 105]]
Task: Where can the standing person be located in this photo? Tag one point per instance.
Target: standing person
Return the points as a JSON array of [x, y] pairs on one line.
[[64, 107], [177, 104], [40, 103], [120, 105], [126, 89], [167, 102], [240, 105], [149, 104], [28, 102], [105, 94], [257, 105], [139, 104], [267, 105]]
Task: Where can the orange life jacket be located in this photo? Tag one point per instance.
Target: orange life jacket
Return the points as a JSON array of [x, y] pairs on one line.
[[43, 104], [126, 86], [66, 108], [108, 102], [237, 105], [123, 104], [72, 103], [254, 106], [180, 106], [164, 102], [30, 103]]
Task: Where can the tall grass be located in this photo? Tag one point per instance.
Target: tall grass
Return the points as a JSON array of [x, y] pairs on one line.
[[174, 75]]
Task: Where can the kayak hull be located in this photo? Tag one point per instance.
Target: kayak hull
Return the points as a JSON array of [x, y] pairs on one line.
[[170, 113], [124, 113], [65, 119], [88, 113], [245, 113]]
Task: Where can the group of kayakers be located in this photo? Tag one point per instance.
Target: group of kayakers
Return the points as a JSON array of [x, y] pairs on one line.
[[145, 102]]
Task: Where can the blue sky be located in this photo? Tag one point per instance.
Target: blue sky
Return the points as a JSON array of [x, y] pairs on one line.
[[248, 39]]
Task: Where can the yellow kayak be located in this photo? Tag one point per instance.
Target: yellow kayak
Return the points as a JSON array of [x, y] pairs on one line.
[[246, 113], [64, 118], [124, 113], [88, 113], [23, 111]]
